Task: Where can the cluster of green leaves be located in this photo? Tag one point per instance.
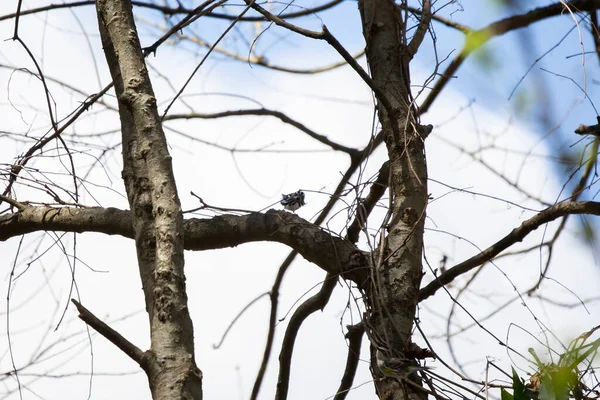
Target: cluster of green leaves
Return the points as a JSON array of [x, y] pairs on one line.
[[561, 380]]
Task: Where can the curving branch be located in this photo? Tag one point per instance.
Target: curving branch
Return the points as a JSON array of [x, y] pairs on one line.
[[277, 114], [296, 14], [354, 335], [476, 39], [306, 309], [274, 293], [331, 253], [329, 38], [263, 61], [516, 235]]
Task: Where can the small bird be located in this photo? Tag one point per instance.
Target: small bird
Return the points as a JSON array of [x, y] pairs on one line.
[[397, 368], [293, 201]]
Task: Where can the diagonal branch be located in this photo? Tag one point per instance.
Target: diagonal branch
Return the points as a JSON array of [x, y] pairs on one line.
[[364, 208], [329, 38], [478, 38], [422, 29], [110, 334], [515, 236]]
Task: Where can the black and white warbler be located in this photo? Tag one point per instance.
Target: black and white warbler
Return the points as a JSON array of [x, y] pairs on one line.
[[293, 201]]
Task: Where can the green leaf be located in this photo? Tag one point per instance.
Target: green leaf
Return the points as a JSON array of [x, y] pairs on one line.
[[546, 390], [518, 387], [476, 39], [535, 356], [504, 395]]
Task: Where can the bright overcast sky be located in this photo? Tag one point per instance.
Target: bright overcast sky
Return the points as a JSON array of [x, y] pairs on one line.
[[220, 283]]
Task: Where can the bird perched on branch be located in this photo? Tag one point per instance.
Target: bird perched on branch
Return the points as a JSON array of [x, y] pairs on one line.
[[293, 201], [397, 368]]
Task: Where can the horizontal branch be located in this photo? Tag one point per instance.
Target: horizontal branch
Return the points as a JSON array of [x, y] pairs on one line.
[[516, 235], [329, 252], [169, 11]]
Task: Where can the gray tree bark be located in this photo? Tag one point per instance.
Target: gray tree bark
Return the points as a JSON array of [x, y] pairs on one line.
[[157, 218], [390, 276], [393, 293]]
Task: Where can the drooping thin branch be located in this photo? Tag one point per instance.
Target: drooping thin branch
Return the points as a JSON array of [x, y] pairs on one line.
[[262, 61], [581, 185], [23, 160], [449, 23], [237, 317], [110, 334], [365, 207], [277, 114], [476, 156], [515, 236], [296, 14], [197, 68], [192, 16]]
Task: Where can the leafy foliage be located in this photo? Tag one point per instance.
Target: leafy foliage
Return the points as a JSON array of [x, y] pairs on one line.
[[561, 380]]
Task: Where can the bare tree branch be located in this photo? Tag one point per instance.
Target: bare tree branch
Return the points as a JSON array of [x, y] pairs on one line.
[[354, 335], [314, 303], [478, 38], [422, 28], [110, 334], [171, 10], [449, 23], [333, 254], [365, 207], [277, 114], [515, 236]]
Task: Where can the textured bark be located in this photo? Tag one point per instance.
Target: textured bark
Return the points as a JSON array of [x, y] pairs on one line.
[[333, 254], [157, 218], [394, 291]]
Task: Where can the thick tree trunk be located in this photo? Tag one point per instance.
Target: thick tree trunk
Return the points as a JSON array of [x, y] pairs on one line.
[[397, 274], [156, 210]]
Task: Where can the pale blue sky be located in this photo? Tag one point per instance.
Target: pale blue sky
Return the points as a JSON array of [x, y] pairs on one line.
[[221, 282]]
